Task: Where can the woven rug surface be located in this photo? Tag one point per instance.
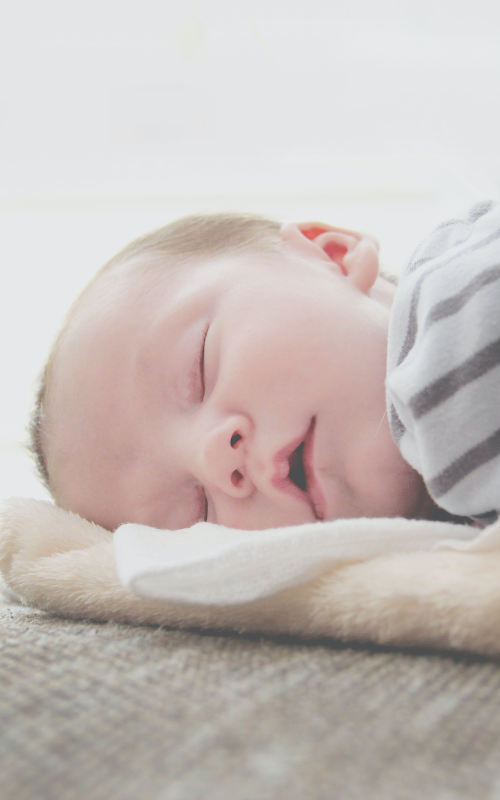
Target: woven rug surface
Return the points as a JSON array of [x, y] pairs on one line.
[[91, 711]]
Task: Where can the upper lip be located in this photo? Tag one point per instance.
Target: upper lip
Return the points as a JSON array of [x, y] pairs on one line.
[[281, 477]]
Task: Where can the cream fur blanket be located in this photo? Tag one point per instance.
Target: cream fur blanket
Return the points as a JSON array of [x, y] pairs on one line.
[[389, 581]]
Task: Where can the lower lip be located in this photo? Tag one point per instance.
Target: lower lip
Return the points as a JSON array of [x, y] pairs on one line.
[[313, 488]]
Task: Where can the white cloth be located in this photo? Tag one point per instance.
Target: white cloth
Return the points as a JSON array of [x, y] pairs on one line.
[[443, 380], [214, 565]]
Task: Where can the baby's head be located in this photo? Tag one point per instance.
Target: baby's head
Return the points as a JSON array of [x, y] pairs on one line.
[[229, 369]]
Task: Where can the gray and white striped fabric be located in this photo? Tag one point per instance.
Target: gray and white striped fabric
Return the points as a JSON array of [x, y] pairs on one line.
[[443, 379]]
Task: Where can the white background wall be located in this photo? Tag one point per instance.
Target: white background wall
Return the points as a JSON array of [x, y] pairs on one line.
[[116, 117]]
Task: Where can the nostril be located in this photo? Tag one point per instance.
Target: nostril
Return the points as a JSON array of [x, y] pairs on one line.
[[236, 478], [235, 438]]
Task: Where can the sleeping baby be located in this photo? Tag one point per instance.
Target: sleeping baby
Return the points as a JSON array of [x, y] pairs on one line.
[[229, 369]]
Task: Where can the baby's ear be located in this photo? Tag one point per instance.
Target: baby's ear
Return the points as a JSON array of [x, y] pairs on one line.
[[352, 254]]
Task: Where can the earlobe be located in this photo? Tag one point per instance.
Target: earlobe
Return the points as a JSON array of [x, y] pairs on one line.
[[352, 254]]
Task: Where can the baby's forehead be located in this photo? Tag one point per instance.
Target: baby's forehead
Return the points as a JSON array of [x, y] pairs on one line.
[[102, 317], [116, 295], [121, 287], [89, 360]]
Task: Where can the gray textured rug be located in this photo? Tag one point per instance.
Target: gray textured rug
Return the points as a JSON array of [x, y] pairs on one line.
[[92, 711]]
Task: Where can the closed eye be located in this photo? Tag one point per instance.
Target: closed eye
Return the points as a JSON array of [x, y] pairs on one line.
[[202, 363], [202, 384], [195, 385]]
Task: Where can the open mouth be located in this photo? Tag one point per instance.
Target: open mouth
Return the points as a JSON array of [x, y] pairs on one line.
[[294, 472], [297, 472]]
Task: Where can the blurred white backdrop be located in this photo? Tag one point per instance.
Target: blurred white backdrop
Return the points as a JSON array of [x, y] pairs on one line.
[[116, 117]]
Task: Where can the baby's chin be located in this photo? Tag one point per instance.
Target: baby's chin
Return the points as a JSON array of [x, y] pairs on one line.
[[415, 501], [400, 493], [381, 483]]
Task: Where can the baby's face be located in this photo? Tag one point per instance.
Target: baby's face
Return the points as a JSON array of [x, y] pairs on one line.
[[247, 390]]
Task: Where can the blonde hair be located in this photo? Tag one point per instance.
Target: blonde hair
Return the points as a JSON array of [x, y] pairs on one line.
[[185, 240]]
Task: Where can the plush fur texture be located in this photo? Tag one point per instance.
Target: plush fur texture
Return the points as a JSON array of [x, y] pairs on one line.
[[60, 563]]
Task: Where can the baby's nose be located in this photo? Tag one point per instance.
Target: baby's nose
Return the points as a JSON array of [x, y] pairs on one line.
[[224, 453]]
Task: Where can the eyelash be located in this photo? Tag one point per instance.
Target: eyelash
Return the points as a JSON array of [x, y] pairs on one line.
[[202, 384], [202, 363]]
